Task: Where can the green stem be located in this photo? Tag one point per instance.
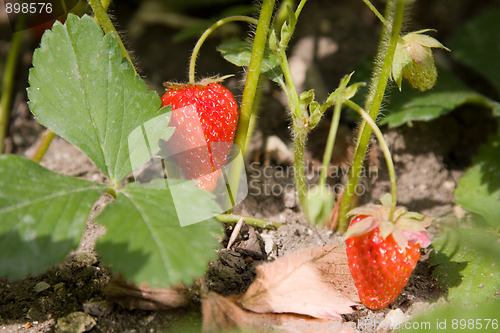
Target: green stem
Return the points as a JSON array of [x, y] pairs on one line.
[[385, 150], [232, 218], [255, 112], [291, 90], [299, 144], [203, 37], [376, 12], [282, 13], [299, 115], [394, 15], [8, 80], [101, 16], [43, 145], [252, 80], [299, 8], [105, 4], [327, 155], [248, 106]]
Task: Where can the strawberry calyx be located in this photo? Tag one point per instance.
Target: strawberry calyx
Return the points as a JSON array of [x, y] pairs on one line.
[[405, 227]]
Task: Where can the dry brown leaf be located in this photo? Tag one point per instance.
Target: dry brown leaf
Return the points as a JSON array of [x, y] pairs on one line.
[[222, 313], [144, 298], [313, 281]]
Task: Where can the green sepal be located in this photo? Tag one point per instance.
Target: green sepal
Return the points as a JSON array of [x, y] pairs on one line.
[[424, 40], [288, 27], [361, 228], [352, 90], [315, 114], [386, 228], [401, 59], [403, 220], [306, 98], [386, 200], [273, 41]]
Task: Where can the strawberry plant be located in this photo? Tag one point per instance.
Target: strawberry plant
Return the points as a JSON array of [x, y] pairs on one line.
[[83, 90]]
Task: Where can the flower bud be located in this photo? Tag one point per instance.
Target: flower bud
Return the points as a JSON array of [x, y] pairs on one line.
[[414, 62]]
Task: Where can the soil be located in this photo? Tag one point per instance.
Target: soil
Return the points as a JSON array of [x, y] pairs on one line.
[[430, 158]]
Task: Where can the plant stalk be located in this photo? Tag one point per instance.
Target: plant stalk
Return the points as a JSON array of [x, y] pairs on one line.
[[101, 16], [299, 143], [299, 116], [248, 108], [105, 4], [232, 218], [255, 112], [252, 80], [43, 145], [8, 80], [385, 150], [332, 134], [394, 15], [204, 36], [376, 12]]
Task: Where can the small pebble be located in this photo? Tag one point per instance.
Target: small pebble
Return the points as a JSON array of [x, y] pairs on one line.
[[393, 319], [41, 286]]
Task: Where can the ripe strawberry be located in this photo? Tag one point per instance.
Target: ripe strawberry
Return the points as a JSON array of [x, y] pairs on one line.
[[383, 254], [205, 117]]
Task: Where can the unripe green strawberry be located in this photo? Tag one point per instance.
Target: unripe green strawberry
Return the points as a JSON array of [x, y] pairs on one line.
[[383, 254], [205, 118], [413, 60]]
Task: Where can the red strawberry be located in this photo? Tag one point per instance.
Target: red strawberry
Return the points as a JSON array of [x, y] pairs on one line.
[[383, 254], [205, 118]]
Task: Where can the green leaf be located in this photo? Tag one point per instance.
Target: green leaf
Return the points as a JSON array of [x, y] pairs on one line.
[[448, 94], [145, 241], [477, 45], [238, 52], [82, 89], [470, 274], [478, 190], [456, 318], [42, 215]]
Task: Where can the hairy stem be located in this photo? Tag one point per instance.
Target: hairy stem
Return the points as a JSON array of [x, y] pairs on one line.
[[385, 150], [255, 112], [252, 80], [204, 36], [394, 15], [299, 114], [299, 143], [248, 107], [101, 16], [376, 12]]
